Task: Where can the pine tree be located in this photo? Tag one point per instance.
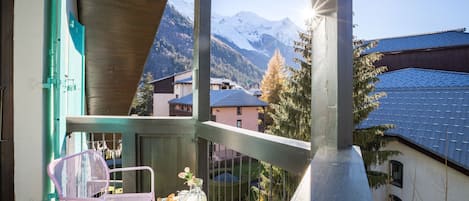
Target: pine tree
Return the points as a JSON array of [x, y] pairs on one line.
[[142, 103], [292, 115], [365, 100], [291, 118]]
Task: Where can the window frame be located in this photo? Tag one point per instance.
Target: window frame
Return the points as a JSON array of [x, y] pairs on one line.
[[239, 123], [393, 164], [393, 197], [239, 110]]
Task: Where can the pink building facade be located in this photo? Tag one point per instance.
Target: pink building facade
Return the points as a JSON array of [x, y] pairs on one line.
[[248, 118], [231, 107]]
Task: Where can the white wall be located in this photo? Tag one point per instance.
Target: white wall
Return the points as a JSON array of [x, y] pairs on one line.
[[28, 115], [424, 178], [181, 90], [161, 105]]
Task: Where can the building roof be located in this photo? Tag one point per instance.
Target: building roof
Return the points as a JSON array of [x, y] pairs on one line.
[[255, 92], [225, 98], [212, 81], [429, 108], [422, 78], [169, 76], [450, 38]]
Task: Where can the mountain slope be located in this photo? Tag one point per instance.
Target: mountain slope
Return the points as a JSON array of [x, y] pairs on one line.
[[256, 38], [172, 48]]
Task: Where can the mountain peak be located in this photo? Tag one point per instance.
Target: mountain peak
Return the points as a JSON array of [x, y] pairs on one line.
[[247, 14]]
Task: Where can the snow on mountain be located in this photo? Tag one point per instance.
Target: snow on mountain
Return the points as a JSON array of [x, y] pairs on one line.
[[185, 7], [245, 28]]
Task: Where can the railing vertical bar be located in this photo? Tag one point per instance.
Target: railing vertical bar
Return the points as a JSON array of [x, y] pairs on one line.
[[260, 167], [233, 154], [270, 183], [287, 183], [224, 182], [240, 176], [218, 172], [284, 193], [91, 140], [213, 169], [104, 145], [208, 169], [249, 179], [113, 156]]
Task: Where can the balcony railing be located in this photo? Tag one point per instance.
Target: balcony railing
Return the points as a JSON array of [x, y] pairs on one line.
[[170, 144], [235, 163]]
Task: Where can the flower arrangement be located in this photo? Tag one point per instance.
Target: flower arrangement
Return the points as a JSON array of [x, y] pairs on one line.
[[191, 180]]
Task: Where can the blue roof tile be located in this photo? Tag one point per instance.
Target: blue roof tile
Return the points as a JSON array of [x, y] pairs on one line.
[[422, 78], [429, 108], [225, 98], [424, 41]]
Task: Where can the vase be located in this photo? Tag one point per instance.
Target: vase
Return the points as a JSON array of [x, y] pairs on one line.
[[195, 194]]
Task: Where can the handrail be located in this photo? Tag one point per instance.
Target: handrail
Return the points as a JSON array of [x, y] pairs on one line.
[[124, 124], [292, 155]]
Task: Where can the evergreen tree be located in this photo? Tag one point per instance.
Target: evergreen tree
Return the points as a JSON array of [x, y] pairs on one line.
[[291, 118], [292, 115], [142, 103], [365, 100]]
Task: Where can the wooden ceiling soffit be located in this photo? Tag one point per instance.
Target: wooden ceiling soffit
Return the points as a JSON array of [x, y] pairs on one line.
[[119, 34]]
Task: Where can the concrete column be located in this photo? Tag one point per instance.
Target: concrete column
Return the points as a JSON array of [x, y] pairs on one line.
[[201, 68], [28, 111], [332, 75], [201, 80]]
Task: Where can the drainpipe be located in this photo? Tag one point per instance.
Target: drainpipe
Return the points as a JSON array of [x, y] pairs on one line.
[[51, 90]]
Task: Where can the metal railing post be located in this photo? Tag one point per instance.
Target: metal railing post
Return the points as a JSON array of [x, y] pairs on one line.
[[201, 77]]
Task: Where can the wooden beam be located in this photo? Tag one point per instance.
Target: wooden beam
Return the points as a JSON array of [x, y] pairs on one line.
[[6, 82]]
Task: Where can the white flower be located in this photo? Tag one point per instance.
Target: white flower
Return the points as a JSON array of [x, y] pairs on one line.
[[182, 175]]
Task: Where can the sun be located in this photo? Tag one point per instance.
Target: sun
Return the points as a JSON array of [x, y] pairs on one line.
[[308, 13]]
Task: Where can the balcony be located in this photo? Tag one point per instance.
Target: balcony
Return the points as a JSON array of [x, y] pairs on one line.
[[329, 168], [213, 149]]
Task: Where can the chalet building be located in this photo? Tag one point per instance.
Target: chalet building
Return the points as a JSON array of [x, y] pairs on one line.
[[430, 111], [446, 50], [179, 85], [231, 107], [230, 103], [164, 89]]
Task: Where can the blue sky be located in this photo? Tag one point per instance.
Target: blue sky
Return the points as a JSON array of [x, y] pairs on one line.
[[375, 18], [387, 18]]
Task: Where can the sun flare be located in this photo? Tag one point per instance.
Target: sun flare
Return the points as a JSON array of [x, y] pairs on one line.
[[308, 13]]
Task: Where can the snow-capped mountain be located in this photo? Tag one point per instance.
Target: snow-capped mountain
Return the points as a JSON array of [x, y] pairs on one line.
[[184, 7], [172, 48], [252, 35], [246, 28]]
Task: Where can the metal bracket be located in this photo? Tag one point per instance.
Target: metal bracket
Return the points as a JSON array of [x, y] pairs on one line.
[[50, 82], [70, 84]]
